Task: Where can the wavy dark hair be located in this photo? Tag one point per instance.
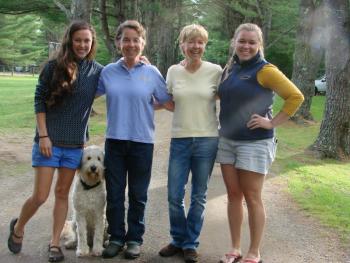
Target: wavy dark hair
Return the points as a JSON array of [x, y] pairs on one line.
[[66, 68]]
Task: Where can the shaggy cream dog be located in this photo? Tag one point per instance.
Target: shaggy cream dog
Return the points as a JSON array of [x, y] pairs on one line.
[[87, 228]]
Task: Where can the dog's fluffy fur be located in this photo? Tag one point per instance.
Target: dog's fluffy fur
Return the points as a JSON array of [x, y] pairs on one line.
[[88, 226]]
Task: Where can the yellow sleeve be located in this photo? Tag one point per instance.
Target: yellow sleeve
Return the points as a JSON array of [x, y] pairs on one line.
[[272, 78]]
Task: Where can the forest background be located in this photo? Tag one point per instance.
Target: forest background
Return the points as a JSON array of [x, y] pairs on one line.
[[27, 27]]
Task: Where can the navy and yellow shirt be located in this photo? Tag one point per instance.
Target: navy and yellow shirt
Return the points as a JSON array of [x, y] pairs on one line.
[[249, 89]]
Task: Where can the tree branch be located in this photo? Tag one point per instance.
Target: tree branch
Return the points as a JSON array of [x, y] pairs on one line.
[[279, 37], [63, 8]]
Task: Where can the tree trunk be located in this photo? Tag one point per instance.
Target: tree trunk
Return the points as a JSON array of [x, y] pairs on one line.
[[107, 38], [79, 10], [333, 140], [151, 18], [307, 59], [167, 37]]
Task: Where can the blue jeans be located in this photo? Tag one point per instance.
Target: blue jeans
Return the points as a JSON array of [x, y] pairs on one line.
[[127, 162], [195, 155]]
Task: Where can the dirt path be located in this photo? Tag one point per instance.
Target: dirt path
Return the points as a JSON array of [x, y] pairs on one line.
[[291, 236]]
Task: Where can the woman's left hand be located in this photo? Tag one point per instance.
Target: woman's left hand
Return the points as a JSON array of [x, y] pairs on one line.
[[257, 121], [145, 60]]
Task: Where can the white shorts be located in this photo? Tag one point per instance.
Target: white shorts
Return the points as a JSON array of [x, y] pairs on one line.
[[250, 155]]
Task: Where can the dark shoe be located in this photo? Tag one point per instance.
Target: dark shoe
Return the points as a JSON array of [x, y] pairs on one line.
[[13, 246], [190, 255], [169, 251], [111, 250], [132, 251], [55, 254]]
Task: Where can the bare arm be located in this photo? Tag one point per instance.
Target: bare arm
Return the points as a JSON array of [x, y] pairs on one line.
[[257, 121], [45, 143], [170, 106], [271, 77]]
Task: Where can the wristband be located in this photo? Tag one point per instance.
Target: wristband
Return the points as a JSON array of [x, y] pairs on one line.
[[45, 136]]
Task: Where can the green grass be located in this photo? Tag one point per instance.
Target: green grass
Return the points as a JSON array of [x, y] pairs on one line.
[[17, 106], [320, 187]]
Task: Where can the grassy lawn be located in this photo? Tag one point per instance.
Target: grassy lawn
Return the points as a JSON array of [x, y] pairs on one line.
[[320, 187], [17, 107]]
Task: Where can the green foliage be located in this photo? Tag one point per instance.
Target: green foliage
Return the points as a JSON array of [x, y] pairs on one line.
[[284, 18], [217, 51], [220, 17], [21, 40]]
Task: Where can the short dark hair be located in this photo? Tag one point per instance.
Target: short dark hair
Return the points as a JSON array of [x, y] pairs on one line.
[[133, 24]]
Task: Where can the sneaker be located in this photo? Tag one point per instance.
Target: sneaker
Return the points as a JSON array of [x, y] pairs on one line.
[[169, 251], [190, 255], [111, 250], [132, 251]]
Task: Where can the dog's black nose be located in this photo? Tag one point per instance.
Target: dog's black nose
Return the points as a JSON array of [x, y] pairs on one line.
[[93, 168]]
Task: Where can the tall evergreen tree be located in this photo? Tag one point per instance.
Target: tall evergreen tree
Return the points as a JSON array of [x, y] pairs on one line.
[[21, 40]]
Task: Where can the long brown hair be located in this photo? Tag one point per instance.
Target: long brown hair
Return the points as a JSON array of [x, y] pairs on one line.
[[66, 68]]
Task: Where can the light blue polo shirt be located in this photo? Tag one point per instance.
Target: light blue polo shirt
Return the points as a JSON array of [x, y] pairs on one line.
[[129, 95]]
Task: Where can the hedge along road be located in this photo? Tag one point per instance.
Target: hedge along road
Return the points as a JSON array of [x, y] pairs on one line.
[[290, 235]]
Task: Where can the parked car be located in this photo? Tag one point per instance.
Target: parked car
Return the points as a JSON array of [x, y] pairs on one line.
[[320, 85]]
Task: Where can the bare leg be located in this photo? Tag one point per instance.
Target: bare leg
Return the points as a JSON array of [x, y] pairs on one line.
[[64, 181], [234, 205], [251, 185], [42, 185]]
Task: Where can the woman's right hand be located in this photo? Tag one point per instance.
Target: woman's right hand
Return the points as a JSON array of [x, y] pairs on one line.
[[45, 146]]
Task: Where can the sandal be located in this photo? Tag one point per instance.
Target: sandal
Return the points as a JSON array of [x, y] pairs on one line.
[[231, 258], [252, 260], [55, 254], [14, 247]]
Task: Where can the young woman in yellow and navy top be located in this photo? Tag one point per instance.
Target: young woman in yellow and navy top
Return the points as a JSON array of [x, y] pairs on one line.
[[247, 143], [63, 100]]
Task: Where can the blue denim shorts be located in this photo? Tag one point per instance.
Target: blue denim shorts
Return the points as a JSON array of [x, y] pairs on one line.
[[61, 157], [251, 155]]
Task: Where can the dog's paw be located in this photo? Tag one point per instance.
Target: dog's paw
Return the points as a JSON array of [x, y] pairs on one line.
[[96, 252], [82, 252], [72, 244]]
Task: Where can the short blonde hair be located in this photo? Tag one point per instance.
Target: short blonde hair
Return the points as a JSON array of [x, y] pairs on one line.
[[192, 31], [250, 27]]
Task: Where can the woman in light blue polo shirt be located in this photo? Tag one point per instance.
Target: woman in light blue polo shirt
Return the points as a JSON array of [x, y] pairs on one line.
[[130, 86]]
